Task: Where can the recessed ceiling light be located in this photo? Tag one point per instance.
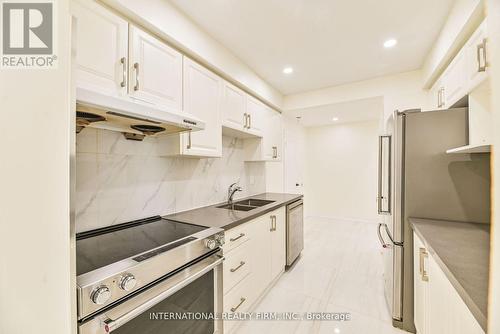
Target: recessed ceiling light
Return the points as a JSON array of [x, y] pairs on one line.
[[336, 330], [288, 70], [335, 119], [390, 43]]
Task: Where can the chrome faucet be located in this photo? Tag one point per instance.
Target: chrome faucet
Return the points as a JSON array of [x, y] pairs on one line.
[[233, 188]]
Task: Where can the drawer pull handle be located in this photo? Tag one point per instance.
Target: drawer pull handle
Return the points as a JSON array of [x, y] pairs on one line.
[[242, 300], [238, 237], [242, 263]]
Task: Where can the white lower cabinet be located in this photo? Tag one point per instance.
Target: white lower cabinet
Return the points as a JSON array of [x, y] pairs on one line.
[[438, 307], [255, 257]]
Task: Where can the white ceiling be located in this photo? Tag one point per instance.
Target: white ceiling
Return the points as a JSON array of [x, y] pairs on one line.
[[327, 42], [352, 111]]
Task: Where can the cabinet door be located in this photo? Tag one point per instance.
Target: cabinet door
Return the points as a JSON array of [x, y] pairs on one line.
[[454, 80], [276, 133], [257, 115], [262, 253], [438, 297], [477, 57], [278, 243], [202, 98], [101, 48], [233, 107], [155, 71], [420, 284]]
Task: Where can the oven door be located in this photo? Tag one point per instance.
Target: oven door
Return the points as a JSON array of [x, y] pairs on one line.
[[188, 302]]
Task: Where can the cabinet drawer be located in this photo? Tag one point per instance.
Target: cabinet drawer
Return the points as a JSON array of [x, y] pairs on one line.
[[237, 266], [236, 236], [237, 300]]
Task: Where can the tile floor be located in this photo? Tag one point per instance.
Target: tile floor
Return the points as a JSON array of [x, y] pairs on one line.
[[340, 270]]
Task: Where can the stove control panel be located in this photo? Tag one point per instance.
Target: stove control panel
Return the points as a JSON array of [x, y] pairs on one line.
[[100, 295]]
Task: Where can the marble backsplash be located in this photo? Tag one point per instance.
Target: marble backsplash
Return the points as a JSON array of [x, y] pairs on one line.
[[118, 180]]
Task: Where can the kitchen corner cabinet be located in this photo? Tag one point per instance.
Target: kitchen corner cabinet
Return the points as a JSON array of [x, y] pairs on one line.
[[156, 70], [116, 58], [467, 70], [202, 98], [438, 309], [101, 48], [255, 258], [269, 147]]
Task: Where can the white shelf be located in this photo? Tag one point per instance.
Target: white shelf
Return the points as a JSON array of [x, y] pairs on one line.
[[470, 149]]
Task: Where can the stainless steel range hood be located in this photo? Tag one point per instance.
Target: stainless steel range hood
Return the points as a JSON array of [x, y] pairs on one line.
[[136, 119]]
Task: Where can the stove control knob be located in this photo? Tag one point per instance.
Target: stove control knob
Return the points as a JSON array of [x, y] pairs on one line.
[[127, 282], [210, 243], [220, 239], [100, 295]]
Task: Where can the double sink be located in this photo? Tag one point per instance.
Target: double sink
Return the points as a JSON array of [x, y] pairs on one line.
[[246, 205]]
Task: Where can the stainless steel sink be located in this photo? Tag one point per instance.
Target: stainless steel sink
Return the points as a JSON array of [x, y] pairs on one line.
[[254, 202], [246, 205]]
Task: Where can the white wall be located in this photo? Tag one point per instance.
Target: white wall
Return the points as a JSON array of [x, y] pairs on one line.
[[119, 180], [36, 267], [164, 19], [400, 91], [341, 171], [464, 18], [294, 156], [494, 295]]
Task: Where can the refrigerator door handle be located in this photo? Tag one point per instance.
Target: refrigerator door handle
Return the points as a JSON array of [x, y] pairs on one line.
[[384, 175], [384, 245], [395, 243]]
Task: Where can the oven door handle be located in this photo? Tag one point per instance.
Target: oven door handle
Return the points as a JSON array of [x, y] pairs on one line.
[[110, 325]]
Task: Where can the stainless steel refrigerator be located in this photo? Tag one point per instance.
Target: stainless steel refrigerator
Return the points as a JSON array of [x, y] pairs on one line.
[[417, 178]]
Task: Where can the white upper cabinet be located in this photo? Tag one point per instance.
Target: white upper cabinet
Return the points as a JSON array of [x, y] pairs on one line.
[[234, 108], [270, 146], [477, 53], [202, 98], [101, 48], [156, 71], [455, 80], [256, 111], [466, 71]]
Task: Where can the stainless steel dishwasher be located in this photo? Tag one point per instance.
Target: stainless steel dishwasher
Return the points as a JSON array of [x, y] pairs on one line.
[[294, 231]]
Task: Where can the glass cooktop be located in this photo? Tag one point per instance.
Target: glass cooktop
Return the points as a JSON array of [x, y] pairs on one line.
[[99, 248]]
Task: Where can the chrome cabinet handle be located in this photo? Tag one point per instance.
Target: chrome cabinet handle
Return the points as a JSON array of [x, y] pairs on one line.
[[123, 61], [238, 237], [189, 140], [249, 121], [273, 223], [481, 47], [242, 263], [136, 67], [423, 273], [242, 300], [245, 115], [275, 152]]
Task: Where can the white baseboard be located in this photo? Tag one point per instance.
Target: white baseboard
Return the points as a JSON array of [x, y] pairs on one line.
[[344, 219]]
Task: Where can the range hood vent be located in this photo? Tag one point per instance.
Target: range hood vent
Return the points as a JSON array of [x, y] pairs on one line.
[[135, 119]]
